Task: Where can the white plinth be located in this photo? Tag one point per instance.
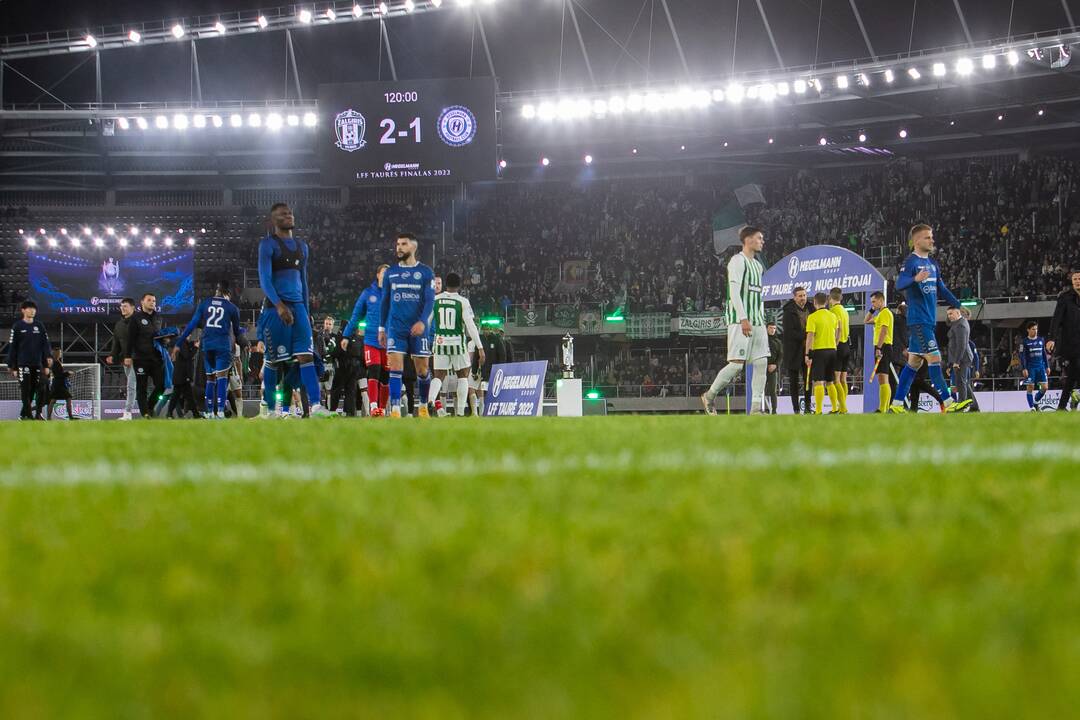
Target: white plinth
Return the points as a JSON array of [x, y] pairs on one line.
[[568, 395]]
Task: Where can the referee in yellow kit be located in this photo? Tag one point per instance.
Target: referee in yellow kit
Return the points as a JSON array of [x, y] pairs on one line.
[[822, 327]]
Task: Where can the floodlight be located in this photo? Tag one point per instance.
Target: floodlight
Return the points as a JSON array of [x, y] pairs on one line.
[[914, 73], [178, 31], [842, 82], [180, 122], [293, 120], [304, 16], [161, 122], [134, 36], [254, 120], [219, 27], [964, 67], [263, 22], [989, 62], [939, 69], [198, 121], [310, 119], [889, 76], [236, 120], [1013, 58], [91, 41]]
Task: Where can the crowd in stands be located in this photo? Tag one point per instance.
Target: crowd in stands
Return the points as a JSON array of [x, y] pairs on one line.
[[1002, 228]]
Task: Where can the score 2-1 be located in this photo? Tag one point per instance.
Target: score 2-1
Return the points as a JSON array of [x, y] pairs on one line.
[[391, 133]]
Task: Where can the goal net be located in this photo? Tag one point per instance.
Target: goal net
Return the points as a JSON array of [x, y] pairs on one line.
[[84, 381]]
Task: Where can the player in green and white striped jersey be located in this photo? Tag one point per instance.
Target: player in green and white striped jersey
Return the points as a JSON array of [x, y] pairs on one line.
[[747, 338], [455, 325]]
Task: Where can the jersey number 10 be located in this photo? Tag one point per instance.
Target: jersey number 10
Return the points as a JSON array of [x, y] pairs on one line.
[[447, 318]]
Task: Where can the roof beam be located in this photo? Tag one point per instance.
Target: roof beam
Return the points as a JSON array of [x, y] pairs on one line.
[[768, 29], [862, 29], [963, 21], [675, 35]]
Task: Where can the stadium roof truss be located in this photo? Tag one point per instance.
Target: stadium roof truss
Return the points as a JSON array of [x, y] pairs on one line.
[[841, 102]]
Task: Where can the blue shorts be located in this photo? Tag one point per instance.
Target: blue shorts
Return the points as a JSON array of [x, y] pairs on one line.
[[401, 341], [216, 360], [283, 341], [922, 340], [1036, 376]]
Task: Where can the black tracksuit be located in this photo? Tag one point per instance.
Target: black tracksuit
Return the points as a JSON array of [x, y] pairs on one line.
[[772, 380], [28, 353], [347, 367], [183, 394], [1065, 332], [143, 327], [118, 351], [794, 325]]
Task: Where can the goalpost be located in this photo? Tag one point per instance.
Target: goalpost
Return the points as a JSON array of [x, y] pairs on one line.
[[85, 382]]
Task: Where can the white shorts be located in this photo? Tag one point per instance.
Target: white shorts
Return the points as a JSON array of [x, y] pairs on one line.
[[453, 363], [747, 349]]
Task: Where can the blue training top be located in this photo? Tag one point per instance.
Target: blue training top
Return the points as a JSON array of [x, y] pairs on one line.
[[283, 269], [922, 297], [366, 310], [220, 321], [408, 297]]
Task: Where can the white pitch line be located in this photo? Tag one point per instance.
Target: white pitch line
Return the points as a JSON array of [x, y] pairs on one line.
[[774, 458]]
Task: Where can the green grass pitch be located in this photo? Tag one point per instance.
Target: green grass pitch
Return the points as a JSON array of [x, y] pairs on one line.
[[646, 567]]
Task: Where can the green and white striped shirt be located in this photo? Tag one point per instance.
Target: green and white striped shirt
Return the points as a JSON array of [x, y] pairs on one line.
[[454, 324], [744, 291]]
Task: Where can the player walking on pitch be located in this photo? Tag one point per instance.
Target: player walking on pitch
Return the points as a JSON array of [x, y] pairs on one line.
[[920, 280], [1034, 361], [454, 323], [405, 311], [220, 321], [748, 339], [284, 325], [366, 310]]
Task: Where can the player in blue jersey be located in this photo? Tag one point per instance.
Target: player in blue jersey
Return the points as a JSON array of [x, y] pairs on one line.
[[1034, 360], [920, 281], [408, 299], [220, 323], [367, 310], [284, 325]]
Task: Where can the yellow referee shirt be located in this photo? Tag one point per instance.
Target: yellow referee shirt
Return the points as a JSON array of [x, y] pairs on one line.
[[823, 324], [842, 318], [884, 319]]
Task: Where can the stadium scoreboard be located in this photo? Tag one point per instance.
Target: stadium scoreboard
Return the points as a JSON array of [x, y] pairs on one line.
[[409, 132]]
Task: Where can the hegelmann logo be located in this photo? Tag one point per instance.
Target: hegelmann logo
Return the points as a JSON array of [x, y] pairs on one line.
[[513, 382], [795, 266]]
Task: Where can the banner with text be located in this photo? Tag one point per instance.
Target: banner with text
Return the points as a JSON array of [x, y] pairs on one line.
[[516, 390], [819, 268], [702, 324]]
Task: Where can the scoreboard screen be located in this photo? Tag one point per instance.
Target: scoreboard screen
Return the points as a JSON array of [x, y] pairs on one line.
[[408, 132]]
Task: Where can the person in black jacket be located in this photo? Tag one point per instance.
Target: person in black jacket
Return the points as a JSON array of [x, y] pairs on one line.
[[183, 394], [119, 351], [29, 358], [141, 354], [776, 358], [1064, 337], [899, 347], [347, 364], [796, 311]]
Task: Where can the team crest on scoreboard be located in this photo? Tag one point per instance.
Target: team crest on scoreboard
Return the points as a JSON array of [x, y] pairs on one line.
[[350, 127], [457, 126]]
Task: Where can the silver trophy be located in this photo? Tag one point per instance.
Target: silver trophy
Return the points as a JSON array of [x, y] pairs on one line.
[[568, 356]]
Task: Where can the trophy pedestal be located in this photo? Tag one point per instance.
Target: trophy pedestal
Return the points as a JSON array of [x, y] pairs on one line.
[[568, 396]]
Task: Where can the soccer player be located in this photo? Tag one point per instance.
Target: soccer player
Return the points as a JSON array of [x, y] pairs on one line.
[[366, 310], [748, 340], [29, 357], [883, 339], [1033, 362], [284, 325], [920, 280], [220, 323], [405, 312], [454, 324], [821, 330], [843, 349]]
